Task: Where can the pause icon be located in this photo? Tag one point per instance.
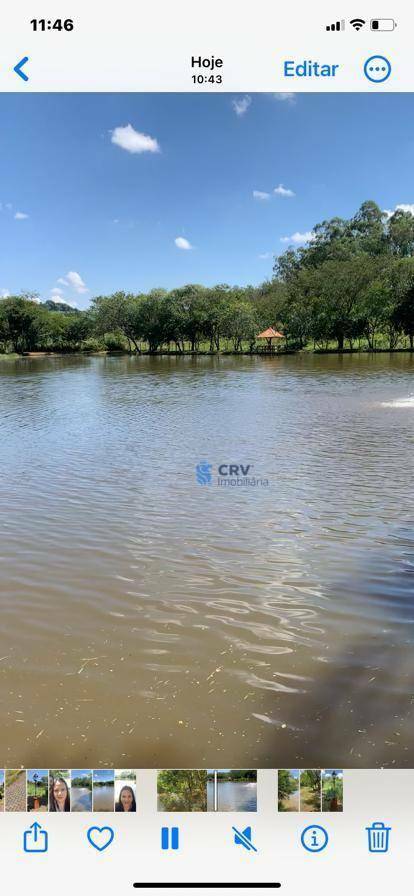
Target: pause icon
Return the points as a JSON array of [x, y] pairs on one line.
[[169, 838]]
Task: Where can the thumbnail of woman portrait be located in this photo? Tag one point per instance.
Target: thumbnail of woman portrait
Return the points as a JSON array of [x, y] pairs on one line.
[[126, 802], [59, 800]]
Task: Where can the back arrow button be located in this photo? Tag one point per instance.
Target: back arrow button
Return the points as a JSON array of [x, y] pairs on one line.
[[19, 68]]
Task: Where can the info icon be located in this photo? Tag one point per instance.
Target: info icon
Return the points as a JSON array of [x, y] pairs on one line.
[[314, 838], [377, 69]]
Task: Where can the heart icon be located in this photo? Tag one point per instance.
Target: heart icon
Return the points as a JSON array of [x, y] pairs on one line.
[[100, 838]]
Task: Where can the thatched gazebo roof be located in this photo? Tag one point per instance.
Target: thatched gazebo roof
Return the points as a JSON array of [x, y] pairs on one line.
[[270, 333]]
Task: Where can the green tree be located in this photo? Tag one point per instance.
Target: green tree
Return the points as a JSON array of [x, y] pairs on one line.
[[119, 313], [403, 314], [216, 307], [286, 785], [190, 303], [79, 326], [311, 778], [154, 319], [183, 791], [401, 233], [22, 323], [367, 230], [239, 321]]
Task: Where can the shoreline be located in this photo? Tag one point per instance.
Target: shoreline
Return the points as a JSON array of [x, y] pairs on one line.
[[14, 356]]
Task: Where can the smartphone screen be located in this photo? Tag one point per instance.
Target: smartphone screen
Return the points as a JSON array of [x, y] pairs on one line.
[[207, 422]]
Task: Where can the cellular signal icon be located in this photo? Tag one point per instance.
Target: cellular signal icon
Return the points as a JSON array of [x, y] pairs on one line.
[[336, 26], [357, 24]]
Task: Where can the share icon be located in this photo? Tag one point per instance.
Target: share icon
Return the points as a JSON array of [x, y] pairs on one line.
[[244, 838]]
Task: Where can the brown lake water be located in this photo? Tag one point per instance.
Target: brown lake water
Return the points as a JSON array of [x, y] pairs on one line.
[[103, 799], [149, 621]]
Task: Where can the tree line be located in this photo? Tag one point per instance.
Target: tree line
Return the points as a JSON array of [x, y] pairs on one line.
[[350, 287], [235, 775]]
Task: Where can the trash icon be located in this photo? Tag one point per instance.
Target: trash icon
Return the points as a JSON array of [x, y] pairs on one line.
[[378, 837]]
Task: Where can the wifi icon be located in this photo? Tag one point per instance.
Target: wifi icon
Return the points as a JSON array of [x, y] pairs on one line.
[[357, 24]]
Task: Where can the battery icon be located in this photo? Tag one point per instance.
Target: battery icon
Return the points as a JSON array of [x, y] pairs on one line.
[[383, 24]]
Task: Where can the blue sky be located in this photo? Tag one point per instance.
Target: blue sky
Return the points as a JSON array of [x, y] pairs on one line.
[[102, 774], [40, 772], [82, 214]]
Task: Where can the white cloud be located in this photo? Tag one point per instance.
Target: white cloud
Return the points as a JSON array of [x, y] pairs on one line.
[[4, 293], [265, 256], [299, 238], [283, 191], [286, 98], [57, 296], [133, 141], [182, 243], [74, 280], [8, 207], [403, 207], [258, 194], [241, 105]]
